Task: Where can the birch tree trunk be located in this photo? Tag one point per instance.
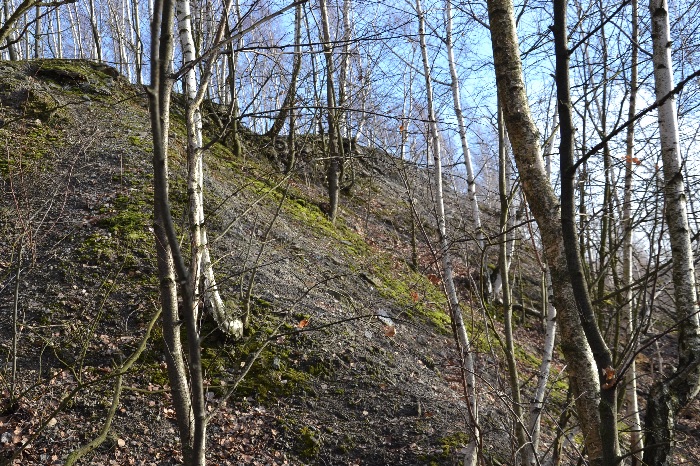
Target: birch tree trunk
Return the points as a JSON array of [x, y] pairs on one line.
[[550, 313], [290, 98], [467, 357], [9, 36], [76, 33], [668, 396], [636, 443], [37, 33], [291, 140], [334, 160], [232, 57], [471, 182], [544, 203], [171, 268], [504, 266], [201, 261], [137, 43], [344, 75], [97, 39]]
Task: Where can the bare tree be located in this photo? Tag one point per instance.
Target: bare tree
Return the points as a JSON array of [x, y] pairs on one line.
[[636, 442], [669, 395], [468, 368], [466, 153], [195, 92], [603, 357], [185, 377], [11, 19], [504, 268], [333, 168], [525, 141]]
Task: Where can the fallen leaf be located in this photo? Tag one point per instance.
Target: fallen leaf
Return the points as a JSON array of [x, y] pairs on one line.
[[434, 279]]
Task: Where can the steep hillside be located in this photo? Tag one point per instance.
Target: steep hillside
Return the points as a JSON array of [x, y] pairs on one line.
[[76, 219], [359, 366]]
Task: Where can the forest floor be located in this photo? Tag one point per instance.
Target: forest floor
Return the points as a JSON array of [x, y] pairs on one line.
[[359, 364]]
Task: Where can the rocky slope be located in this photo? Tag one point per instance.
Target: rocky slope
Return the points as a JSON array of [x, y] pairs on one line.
[[360, 366]]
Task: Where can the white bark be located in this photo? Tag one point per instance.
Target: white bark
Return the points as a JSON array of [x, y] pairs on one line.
[[96, 37], [466, 153], [201, 261], [333, 170], [497, 286], [75, 31], [180, 373], [38, 49], [636, 443], [136, 42], [537, 403], [12, 48], [471, 454], [668, 396], [504, 268], [118, 17], [676, 210], [344, 75]]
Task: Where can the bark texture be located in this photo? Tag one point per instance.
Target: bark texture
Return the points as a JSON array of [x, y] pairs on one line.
[[525, 140], [201, 264], [333, 168], [467, 357], [636, 443], [668, 396], [601, 352], [466, 153]]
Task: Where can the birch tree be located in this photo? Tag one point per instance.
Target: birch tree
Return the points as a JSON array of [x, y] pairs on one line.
[[333, 168], [669, 395], [290, 97], [195, 92], [636, 442], [525, 141], [607, 404], [550, 316], [504, 266], [185, 378], [96, 35], [176, 278], [466, 354], [12, 18], [466, 153]]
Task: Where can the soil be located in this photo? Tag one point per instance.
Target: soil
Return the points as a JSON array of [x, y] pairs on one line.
[[360, 365]]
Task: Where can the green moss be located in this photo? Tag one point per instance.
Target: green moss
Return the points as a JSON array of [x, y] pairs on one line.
[[449, 445], [158, 375], [144, 144], [127, 218], [28, 146], [281, 370], [526, 358], [71, 71], [309, 444], [346, 444], [412, 291], [97, 248], [275, 375], [453, 442]]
